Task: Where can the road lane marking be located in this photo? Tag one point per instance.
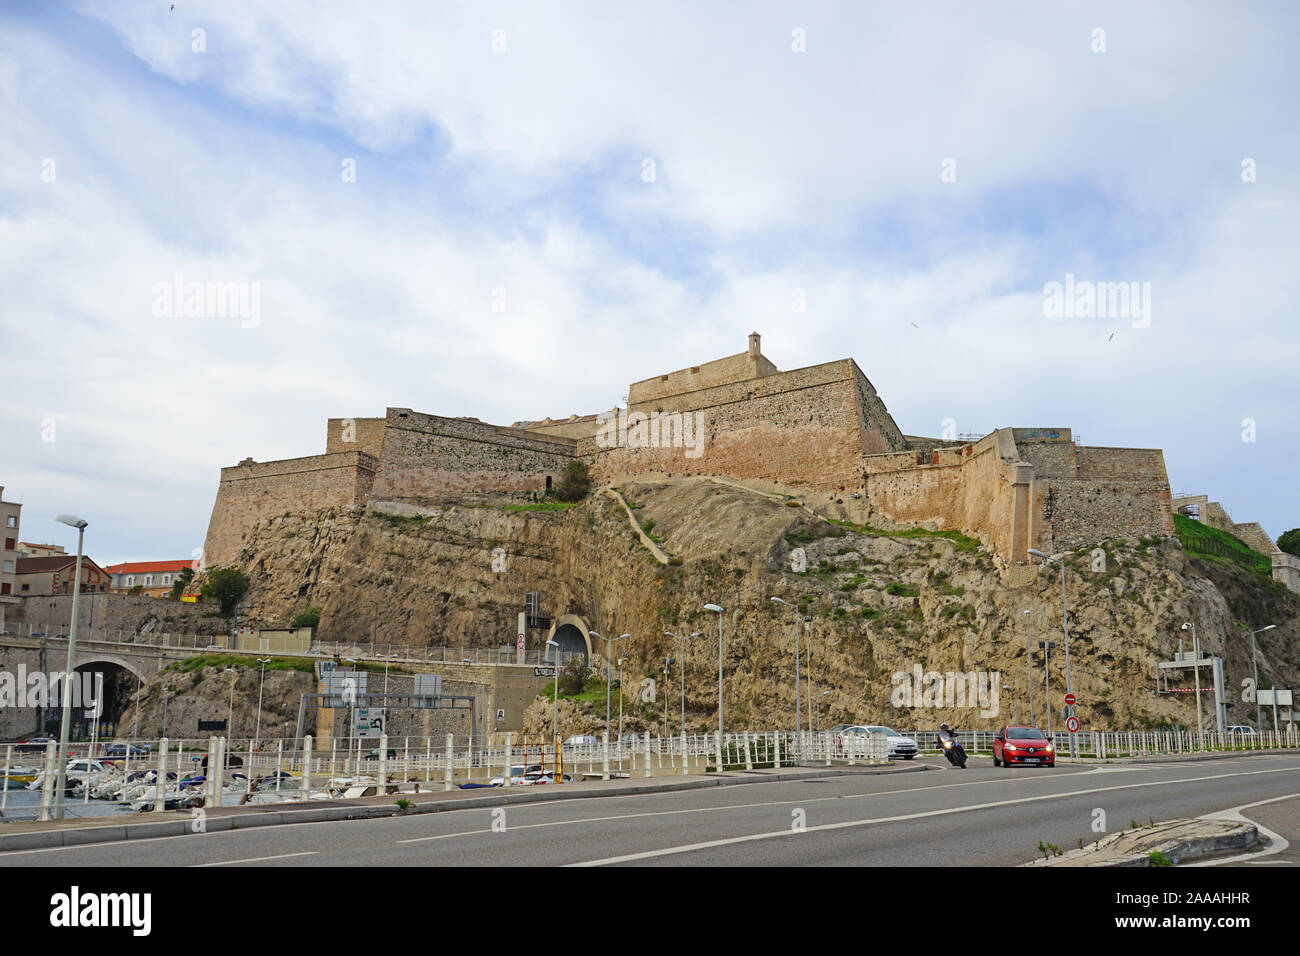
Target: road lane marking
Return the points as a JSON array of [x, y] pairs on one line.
[[255, 859], [826, 827]]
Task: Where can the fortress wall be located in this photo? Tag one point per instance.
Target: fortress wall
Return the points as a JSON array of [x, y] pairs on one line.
[[1253, 533], [723, 371], [1050, 459], [251, 491], [428, 456], [1083, 512], [1146, 464], [801, 426], [582, 427], [970, 490], [880, 433], [367, 435]]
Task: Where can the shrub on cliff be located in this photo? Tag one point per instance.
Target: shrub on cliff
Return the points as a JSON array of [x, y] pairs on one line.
[[1289, 541], [574, 484], [182, 579], [308, 618], [226, 586]]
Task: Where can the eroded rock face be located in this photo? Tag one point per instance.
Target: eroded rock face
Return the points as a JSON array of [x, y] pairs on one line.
[[880, 606]]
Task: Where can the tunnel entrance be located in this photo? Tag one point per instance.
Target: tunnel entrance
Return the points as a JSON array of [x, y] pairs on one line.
[[571, 634]]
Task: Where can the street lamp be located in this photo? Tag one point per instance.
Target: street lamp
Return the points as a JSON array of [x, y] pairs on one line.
[[1046, 647], [61, 781], [555, 700], [1254, 663], [353, 730], [1065, 627], [230, 711], [257, 734], [1196, 667], [1029, 666], [683, 670], [609, 643], [777, 600], [718, 611], [824, 693]]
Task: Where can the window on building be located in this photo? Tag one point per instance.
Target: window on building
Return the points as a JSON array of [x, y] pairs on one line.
[[4, 588], [167, 579], [148, 580], [130, 581], [11, 544], [9, 566], [12, 522], [26, 587]]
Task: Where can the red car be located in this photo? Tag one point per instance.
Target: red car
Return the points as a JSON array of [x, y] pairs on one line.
[[1023, 745]]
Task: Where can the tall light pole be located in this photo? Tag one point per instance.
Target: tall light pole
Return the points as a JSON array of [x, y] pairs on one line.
[[621, 662], [1046, 647], [1065, 627], [1254, 663], [682, 668], [353, 730], [777, 600], [230, 711], [257, 735], [1196, 667], [61, 781], [555, 700], [718, 610], [1029, 666], [609, 643]]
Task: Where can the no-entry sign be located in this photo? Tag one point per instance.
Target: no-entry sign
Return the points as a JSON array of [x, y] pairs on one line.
[[1069, 698], [1072, 725]]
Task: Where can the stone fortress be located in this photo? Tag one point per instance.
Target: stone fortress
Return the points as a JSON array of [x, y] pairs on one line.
[[819, 432]]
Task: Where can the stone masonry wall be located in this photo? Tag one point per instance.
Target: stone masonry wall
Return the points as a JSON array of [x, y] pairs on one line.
[[802, 426], [429, 457], [723, 371], [253, 490], [367, 435]]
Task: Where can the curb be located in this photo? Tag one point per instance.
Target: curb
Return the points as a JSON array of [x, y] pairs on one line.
[[216, 823], [1242, 836]]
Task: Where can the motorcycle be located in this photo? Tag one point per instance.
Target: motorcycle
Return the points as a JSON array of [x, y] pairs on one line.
[[952, 750]]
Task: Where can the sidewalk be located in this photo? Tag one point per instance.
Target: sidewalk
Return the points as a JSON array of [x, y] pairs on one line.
[[31, 835]]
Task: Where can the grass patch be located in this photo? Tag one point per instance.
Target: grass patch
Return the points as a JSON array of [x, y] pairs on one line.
[[961, 542], [899, 589], [1211, 544]]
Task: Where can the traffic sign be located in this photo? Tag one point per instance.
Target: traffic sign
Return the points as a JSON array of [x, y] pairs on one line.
[[1069, 698], [1067, 711], [1072, 725]]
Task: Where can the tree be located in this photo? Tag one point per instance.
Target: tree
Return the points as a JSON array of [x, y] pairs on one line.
[[574, 483], [308, 618], [182, 579], [226, 586], [1290, 542]]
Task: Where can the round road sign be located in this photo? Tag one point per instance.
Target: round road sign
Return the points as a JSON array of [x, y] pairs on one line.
[[1072, 725], [1069, 698]]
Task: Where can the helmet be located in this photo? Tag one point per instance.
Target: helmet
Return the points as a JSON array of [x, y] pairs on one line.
[[943, 727]]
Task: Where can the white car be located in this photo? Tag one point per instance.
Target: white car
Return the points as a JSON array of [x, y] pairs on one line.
[[1241, 730], [900, 745], [584, 740]]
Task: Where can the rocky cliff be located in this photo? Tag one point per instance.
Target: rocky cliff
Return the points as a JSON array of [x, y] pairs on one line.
[[878, 604]]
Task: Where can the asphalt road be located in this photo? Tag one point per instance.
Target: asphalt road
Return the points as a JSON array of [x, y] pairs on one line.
[[978, 817]]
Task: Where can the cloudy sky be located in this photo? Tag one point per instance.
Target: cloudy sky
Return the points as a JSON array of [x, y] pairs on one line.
[[512, 210]]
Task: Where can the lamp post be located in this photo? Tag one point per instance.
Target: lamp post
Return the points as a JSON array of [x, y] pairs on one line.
[[1196, 667], [61, 782], [777, 600], [717, 609], [555, 700], [1065, 627], [1046, 648], [352, 728], [230, 710], [609, 643], [682, 668], [824, 693], [1254, 663], [1029, 666], [257, 734], [1008, 687], [621, 662]]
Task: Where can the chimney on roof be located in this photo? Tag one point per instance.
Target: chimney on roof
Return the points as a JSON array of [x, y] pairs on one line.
[[754, 340]]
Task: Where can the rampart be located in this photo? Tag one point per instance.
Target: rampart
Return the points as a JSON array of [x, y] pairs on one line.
[[355, 434], [428, 457], [251, 491], [806, 426]]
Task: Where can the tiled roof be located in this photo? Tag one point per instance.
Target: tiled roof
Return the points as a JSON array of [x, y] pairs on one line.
[[149, 567]]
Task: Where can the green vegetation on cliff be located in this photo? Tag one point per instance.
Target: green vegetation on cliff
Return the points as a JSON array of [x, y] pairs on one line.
[[1211, 544]]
